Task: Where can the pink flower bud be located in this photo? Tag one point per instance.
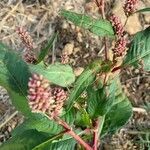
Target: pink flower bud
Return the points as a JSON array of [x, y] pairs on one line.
[[28, 55], [120, 47], [117, 25], [44, 99], [25, 37], [129, 7], [37, 92]]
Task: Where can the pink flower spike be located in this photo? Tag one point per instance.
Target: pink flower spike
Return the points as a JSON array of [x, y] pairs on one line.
[[43, 98], [120, 47], [117, 25], [130, 7]]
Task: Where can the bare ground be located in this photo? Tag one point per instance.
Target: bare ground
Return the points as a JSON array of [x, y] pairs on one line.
[[41, 19]]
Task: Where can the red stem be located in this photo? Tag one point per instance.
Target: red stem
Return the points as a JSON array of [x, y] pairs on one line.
[[95, 142], [73, 134]]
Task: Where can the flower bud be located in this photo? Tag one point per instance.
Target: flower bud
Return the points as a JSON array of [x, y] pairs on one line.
[[28, 55], [25, 37], [117, 25], [43, 98], [39, 95], [129, 7], [120, 47]]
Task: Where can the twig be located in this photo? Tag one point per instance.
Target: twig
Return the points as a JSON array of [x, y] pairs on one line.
[[8, 119], [53, 51], [134, 78], [73, 134], [134, 132], [139, 110]]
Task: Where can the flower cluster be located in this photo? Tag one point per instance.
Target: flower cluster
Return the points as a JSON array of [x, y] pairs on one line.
[[25, 37], [43, 98], [129, 7], [120, 47], [59, 95], [39, 93], [117, 25], [28, 55]]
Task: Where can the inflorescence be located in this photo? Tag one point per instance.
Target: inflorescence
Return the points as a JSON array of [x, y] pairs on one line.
[[129, 7], [25, 37], [43, 98]]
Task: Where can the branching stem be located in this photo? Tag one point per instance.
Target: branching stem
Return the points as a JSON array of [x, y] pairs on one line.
[[73, 134]]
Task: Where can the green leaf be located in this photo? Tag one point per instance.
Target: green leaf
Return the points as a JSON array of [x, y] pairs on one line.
[[62, 144], [97, 102], [39, 122], [83, 119], [144, 10], [14, 75], [25, 141], [110, 104], [44, 52], [139, 50], [60, 141], [96, 26], [119, 112], [43, 124], [84, 80], [58, 74]]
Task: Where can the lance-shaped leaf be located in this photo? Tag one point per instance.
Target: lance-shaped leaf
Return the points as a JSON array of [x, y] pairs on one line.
[[111, 105], [84, 80], [119, 111], [42, 123], [59, 142], [83, 118], [58, 74], [14, 75], [44, 52], [24, 141], [99, 27], [62, 144], [144, 10], [139, 50]]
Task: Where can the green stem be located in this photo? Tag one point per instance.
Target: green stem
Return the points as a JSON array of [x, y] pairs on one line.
[[125, 22]]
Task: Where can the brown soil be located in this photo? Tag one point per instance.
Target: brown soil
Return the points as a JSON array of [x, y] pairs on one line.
[[41, 18]]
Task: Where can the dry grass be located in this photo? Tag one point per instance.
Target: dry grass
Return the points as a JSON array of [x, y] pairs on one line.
[[41, 21]]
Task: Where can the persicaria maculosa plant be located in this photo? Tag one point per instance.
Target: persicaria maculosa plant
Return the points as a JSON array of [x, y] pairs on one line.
[[62, 112]]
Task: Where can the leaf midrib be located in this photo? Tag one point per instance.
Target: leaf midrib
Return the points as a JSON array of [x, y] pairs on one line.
[[137, 58]]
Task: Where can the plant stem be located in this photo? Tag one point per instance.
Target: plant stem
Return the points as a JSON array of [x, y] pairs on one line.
[[73, 134], [98, 128], [101, 5], [125, 22], [95, 142]]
